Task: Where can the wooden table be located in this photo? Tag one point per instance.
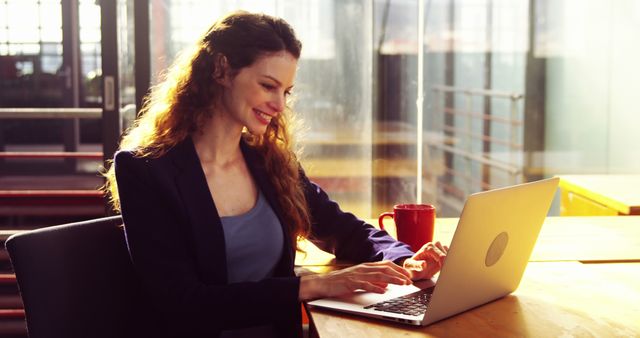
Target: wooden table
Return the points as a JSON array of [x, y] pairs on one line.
[[587, 239], [555, 299], [598, 195], [584, 280]]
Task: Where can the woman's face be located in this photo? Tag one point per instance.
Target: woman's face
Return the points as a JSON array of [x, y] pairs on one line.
[[257, 93]]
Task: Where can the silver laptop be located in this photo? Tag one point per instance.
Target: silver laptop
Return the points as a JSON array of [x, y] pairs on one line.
[[487, 257]]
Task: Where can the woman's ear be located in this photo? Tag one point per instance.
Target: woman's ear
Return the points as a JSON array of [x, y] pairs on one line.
[[221, 69]]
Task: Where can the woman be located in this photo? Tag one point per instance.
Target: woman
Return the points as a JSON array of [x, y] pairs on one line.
[[214, 200]]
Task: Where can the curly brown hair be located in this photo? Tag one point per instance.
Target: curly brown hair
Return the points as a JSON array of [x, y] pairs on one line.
[[180, 105]]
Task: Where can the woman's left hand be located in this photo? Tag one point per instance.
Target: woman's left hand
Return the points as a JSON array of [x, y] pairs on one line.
[[427, 261]]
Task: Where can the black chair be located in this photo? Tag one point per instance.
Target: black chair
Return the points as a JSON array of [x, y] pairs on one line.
[[77, 280]]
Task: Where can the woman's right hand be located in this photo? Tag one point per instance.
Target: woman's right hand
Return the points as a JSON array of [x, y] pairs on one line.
[[373, 277]]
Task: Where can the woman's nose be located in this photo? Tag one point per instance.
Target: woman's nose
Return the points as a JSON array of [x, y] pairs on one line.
[[278, 102]]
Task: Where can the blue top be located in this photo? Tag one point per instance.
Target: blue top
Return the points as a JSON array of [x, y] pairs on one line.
[[254, 243]]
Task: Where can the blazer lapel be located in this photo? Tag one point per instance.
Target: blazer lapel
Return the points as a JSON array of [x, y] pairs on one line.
[[206, 225]]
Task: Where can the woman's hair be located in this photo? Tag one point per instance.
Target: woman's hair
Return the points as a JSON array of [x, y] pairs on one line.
[[183, 102]]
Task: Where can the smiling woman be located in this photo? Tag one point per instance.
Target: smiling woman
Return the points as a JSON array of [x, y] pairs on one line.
[[214, 199], [256, 94]]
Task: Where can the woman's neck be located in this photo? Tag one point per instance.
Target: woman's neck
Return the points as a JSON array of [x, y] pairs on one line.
[[218, 142]]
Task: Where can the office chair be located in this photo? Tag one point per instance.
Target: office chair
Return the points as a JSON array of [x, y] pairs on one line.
[[77, 280]]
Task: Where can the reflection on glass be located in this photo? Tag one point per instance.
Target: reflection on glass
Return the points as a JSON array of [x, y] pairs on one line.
[[512, 93], [333, 86], [502, 112], [90, 53], [30, 54], [395, 110]]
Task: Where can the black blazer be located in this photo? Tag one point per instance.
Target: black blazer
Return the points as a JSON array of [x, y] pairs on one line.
[[176, 242]]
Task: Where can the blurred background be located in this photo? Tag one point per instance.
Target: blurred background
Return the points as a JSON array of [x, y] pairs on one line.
[[403, 100]]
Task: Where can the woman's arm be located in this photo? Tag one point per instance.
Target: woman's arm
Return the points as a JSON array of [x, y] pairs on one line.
[[346, 236], [160, 246], [373, 277], [352, 239]]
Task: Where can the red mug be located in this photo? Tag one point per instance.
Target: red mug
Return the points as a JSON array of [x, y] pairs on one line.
[[414, 223]]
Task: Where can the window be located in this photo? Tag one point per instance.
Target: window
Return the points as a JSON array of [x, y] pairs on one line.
[[30, 54], [333, 89]]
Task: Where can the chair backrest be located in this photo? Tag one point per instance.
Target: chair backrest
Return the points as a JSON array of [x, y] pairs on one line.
[[77, 280]]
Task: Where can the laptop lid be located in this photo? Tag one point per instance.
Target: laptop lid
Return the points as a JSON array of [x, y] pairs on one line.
[[486, 260], [491, 247]]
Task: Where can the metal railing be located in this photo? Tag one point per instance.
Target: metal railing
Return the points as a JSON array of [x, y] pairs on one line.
[[50, 113], [461, 140], [127, 115], [68, 159]]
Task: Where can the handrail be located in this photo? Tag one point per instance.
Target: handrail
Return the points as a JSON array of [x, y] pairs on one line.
[[7, 278], [480, 92], [53, 154], [50, 193], [127, 111], [47, 113], [486, 117], [459, 120], [476, 136], [511, 169], [469, 178], [12, 313]]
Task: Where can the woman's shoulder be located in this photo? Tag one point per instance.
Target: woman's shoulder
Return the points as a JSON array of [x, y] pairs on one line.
[[170, 159], [128, 163], [129, 156], [136, 158]]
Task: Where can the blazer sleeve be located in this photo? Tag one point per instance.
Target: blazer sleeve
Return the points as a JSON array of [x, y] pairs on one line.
[[346, 236], [161, 254]]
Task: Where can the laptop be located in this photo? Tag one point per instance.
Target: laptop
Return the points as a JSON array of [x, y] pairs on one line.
[[486, 260]]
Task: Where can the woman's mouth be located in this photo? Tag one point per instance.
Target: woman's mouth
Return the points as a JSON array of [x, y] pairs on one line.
[[262, 117]]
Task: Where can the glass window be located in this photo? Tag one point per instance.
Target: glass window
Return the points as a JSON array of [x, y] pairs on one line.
[[506, 93], [30, 53], [333, 89], [502, 110], [90, 52], [395, 56]]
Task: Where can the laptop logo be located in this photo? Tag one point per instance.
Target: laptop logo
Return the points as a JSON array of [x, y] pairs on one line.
[[496, 249]]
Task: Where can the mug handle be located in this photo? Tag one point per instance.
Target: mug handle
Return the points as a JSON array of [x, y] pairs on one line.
[[382, 216]]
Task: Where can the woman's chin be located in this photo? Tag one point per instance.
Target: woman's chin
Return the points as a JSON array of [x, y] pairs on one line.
[[257, 130]]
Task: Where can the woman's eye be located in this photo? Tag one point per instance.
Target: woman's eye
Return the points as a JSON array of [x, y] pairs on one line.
[[287, 93], [268, 86]]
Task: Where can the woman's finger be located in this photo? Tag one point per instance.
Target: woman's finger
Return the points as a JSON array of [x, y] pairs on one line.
[[442, 248], [381, 277], [390, 267], [431, 255], [431, 270], [367, 286], [416, 265]]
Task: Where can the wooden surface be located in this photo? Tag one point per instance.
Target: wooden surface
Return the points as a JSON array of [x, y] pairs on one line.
[[618, 192], [583, 281], [555, 299], [604, 239]]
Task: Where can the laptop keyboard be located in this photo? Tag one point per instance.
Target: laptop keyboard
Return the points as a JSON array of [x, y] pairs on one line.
[[413, 304]]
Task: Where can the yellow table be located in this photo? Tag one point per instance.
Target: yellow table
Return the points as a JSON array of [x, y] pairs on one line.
[[599, 195], [582, 281]]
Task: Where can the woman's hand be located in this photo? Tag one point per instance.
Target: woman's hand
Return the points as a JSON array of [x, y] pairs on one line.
[[373, 277], [427, 261]]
